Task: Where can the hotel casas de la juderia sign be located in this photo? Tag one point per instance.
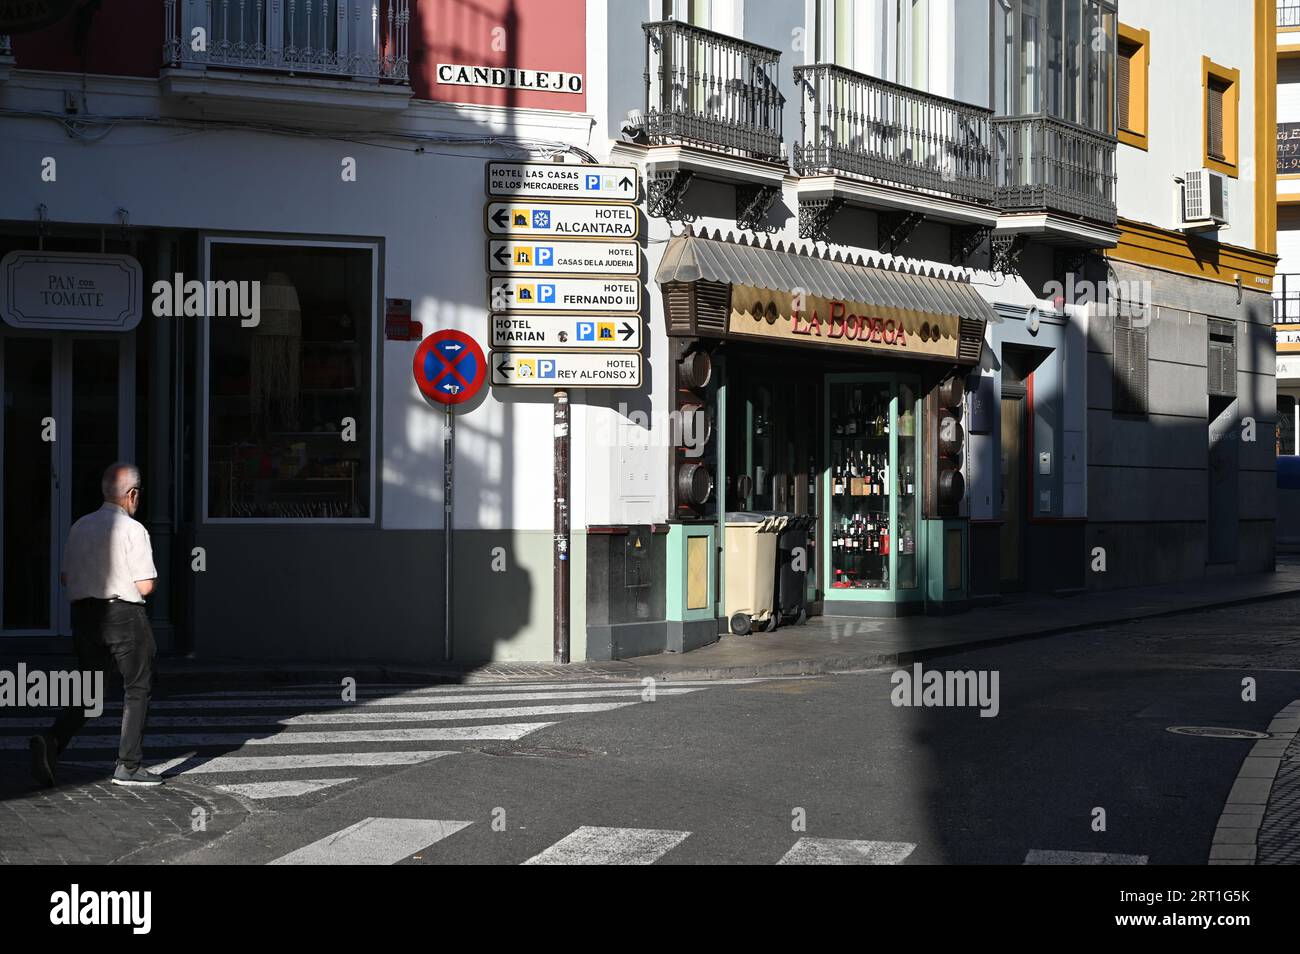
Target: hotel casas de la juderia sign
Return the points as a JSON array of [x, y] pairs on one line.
[[810, 320]]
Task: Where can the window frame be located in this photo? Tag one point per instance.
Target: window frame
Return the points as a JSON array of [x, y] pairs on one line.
[[206, 241], [1211, 71], [1137, 132]]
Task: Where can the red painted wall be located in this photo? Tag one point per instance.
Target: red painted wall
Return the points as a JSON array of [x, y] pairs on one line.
[[539, 35], [123, 38]]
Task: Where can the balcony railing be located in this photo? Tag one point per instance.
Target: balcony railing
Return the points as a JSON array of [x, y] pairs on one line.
[[1286, 298], [712, 90], [864, 126], [1045, 164], [1288, 14], [343, 39]]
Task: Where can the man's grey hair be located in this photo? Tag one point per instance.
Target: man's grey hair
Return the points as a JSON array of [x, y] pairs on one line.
[[119, 479]]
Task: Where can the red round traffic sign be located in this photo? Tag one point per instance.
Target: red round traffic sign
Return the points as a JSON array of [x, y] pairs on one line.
[[449, 367]]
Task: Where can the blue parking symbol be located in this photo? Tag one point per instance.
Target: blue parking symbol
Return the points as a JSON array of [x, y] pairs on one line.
[[541, 219], [544, 256], [586, 331], [593, 183], [545, 294], [545, 368]]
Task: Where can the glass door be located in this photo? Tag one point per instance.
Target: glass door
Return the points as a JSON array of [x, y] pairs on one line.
[[68, 414], [871, 486]]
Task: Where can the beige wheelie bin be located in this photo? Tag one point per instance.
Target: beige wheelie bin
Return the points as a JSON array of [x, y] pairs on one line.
[[751, 570]]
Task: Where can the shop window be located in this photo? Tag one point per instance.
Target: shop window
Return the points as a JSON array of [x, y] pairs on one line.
[[1285, 425], [1221, 358], [1129, 386], [1221, 93], [290, 397], [1132, 67]]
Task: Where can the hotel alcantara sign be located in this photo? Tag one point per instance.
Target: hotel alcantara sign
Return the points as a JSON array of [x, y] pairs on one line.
[[760, 313]]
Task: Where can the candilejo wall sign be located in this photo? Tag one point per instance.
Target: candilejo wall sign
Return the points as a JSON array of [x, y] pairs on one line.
[[760, 313]]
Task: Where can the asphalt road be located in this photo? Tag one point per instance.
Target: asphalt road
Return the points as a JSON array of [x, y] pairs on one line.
[[727, 772]]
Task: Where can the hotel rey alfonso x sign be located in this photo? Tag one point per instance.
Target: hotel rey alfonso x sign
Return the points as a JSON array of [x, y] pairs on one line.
[[70, 291]]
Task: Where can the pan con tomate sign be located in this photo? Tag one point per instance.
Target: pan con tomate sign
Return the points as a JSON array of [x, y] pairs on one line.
[[760, 313]]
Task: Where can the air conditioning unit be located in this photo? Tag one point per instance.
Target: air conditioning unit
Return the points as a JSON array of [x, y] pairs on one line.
[[1203, 201]]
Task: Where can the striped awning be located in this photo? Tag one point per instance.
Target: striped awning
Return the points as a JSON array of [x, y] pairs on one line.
[[890, 284]]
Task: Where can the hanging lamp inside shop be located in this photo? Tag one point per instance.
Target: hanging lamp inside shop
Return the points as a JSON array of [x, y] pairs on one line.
[[275, 360]]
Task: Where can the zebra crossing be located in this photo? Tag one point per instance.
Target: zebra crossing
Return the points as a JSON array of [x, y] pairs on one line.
[[387, 841], [288, 742]]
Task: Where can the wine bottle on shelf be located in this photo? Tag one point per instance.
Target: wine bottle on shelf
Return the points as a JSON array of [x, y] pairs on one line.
[[884, 542], [837, 480]]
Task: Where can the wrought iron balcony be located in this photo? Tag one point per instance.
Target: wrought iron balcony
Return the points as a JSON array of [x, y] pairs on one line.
[[342, 39], [863, 126], [1049, 165], [1288, 14], [1286, 299], [711, 90]]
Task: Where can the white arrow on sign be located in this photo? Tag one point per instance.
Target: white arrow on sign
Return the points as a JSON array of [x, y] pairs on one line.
[[552, 180], [539, 369], [562, 219], [595, 333], [558, 257], [565, 294]]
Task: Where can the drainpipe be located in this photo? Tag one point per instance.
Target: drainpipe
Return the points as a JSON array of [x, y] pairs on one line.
[[158, 494]]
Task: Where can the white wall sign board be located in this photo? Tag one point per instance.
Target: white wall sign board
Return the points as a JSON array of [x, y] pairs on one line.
[[595, 332], [1288, 368], [562, 219], [71, 291], [565, 294], [513, 256], [507, 77], [554, 180], [534, 369]]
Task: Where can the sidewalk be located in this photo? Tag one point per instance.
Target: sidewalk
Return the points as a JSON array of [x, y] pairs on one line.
[[823, 645]]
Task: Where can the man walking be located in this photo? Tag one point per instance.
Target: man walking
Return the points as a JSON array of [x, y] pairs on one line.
[[108, 571]]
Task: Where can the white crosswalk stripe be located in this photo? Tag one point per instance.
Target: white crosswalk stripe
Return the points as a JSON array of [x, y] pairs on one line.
[[838, 851], [610, 846], [258, 744], [373, 841]]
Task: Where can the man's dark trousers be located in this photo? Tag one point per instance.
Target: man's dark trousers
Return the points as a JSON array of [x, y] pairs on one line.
[[105, 632]]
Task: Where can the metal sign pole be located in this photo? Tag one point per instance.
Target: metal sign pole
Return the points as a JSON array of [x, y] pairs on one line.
[[560, 570], [448, 467]]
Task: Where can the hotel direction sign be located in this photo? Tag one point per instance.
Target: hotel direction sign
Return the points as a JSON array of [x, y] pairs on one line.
[[569, 332], [578, 220], [759, 313], [565, 294], [551, 257], [556, 370], [555, 180], [70, 291]]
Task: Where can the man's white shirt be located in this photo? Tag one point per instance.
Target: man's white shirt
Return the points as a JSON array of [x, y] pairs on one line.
[[107, 552]]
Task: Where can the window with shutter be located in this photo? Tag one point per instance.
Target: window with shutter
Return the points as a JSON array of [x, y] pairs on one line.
[[1214, 120], [1123, 91], [1129, 385], [1221, 358]]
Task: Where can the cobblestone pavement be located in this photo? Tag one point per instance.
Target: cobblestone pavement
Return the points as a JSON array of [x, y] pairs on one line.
[[1279, 835], [86, 819]]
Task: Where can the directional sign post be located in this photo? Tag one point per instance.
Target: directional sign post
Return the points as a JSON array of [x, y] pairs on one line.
[[550, 180], [449, 368], [531, 369], [564, 262], [562, 219], [568, 332]]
